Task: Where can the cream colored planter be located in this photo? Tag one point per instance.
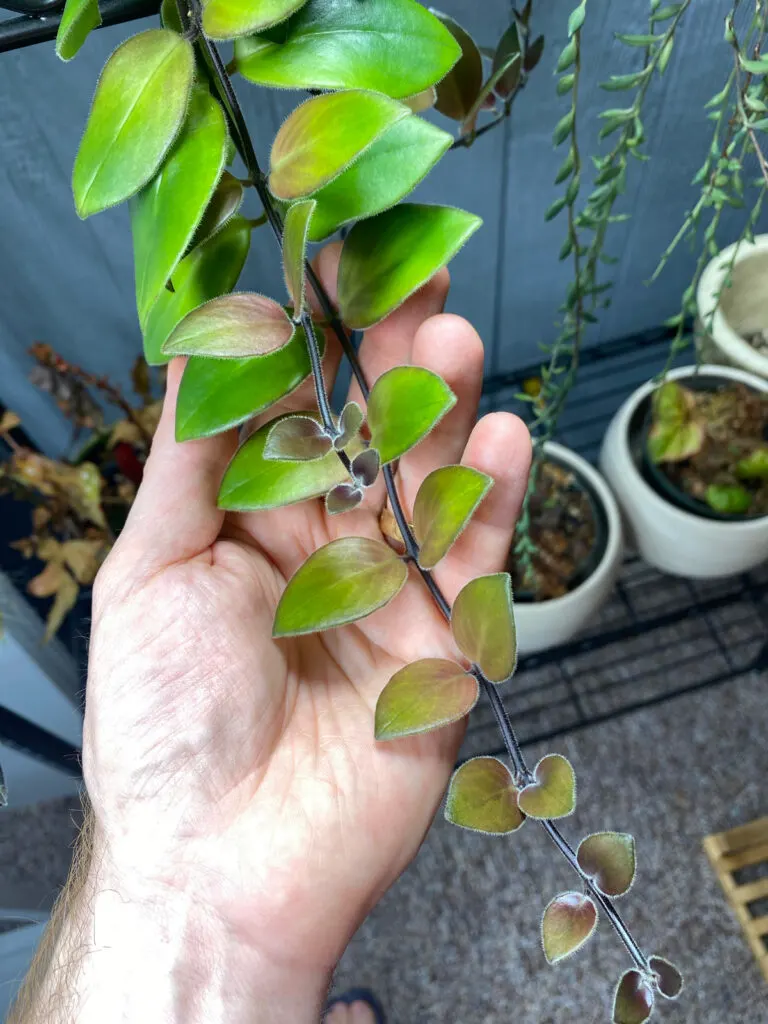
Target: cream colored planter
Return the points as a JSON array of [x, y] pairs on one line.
[[548, 623], [743, 307], [668, 537]]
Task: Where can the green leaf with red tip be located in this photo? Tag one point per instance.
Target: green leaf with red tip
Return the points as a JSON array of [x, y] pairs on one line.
[[458, 90], [552, 794], [634, 999], [224, 204], [232, 327], [482, 798], [608, 858], [342, 582], [391, 46], [137, 111], [349, 424], [295, 233], [230, 19], [324, 135], [444, 505], [568, 922], [425, 695], [405, 403], [669, 980], [343, 497], [78, 20], [386, 258], [297, 439], [483, 625], [211, 269]]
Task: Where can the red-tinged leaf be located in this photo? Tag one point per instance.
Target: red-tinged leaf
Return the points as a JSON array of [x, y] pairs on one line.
[[295, 234], [365, 467], [552, 794], [426, 695], [568, 922], [297, 439], [224, 204], [404, 405], [444, 505], [232, 326], [458, 90], [669, 981], [609, 860], [483, 625], [506, 51], [634, 999], [350, 421], [343, 498], [482, 798]]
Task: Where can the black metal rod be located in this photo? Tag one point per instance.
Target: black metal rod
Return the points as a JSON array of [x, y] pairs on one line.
[[23, 735], [31, 29]]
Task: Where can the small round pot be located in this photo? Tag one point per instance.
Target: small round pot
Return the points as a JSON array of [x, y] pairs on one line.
[[544, 624], [673, 539], [743, 306]]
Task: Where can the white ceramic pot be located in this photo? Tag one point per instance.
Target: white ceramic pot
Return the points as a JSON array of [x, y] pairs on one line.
[[743, 307], [544, 624], [675, 541]]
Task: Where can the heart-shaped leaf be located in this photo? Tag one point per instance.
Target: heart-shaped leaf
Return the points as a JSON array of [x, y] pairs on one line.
[[482, 797], [322, 137], [483, 624], [349, 424], [386, 172], [343, 498], [405, 403], [568, 922], [298, 439], [669, 981], [295, 233], [225, 202], [340, 583], [79, 18], [365, 467], [253, 483], [506, 51], [634, 999], [228, 19], [165, 214], [210, 270], [137, 111], [216, 394], [552, 794], [387, 258], [425, 695], [458, 90], [446, 501], [232, 326], [608, 858], [391, 46]]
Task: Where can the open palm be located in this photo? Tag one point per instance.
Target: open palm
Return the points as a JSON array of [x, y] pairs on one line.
[[246, 769]]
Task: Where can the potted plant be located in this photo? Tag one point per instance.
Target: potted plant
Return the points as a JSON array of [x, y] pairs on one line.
[[687, 462]]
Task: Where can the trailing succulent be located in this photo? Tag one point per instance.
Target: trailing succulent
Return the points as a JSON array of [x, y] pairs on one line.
[[164, 128]]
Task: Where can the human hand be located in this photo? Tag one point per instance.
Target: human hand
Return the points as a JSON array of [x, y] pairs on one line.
[[242, 773]]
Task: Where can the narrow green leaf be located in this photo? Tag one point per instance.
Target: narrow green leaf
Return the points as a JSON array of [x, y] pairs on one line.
[[350, 421], [78, 20], [425, 695], [566, 168], [568, 922], [609, 860], [224, 204], [565, 84], [665, 13], [669, 981], [552, 794], [387, 258], [322, 137], [755, 67], [620, 83], [482, 798], [137, 111], [555, 208], [405, 404], [165, 214], [567, 56], [634, 999], [344, 581], [344, 497], [211, 269], [444, 505], [232, 326], [577, 16], [297, 439], [456, 92], [534, 53], [295, 232], [391, 46], [509, 47], [666, 54], [216, 394], [563, 128], [485, 96], [229, 19], [638, 40], [483, 625]]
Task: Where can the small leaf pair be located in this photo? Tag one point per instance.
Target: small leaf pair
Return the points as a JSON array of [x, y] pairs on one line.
[[346, 496], [635, 994]]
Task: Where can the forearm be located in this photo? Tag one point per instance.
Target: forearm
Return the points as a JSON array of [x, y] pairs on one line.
[[116, 952]]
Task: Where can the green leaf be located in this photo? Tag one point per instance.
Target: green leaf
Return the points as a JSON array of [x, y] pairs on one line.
[[79, 18], [577, 16], [485, 93], [169, 16], [565, 84], [483, 625], [383, 175], [342, 582], [210, 270], [387, 258], [567, 56], [456, 92], [566, 168], [228, 19], [665, 13], [634, 999], [137, 111], [297, 439], [232, 326], [731, 500], [224, 204], [391, 46], [482, 798], [509, 47], [322, 137], [350, 421], [165, 214], [754, 466], [295, 232], [619, 83], [557, 207], [563, 128], [568, 922], [552, 794], [423, 696], [666, 54], [343, 498], [216, 394], [675, 443], [608, 858], [638, 40], [444, 505], [253, 483], [755, 67], [405, 403], [669, 981]]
